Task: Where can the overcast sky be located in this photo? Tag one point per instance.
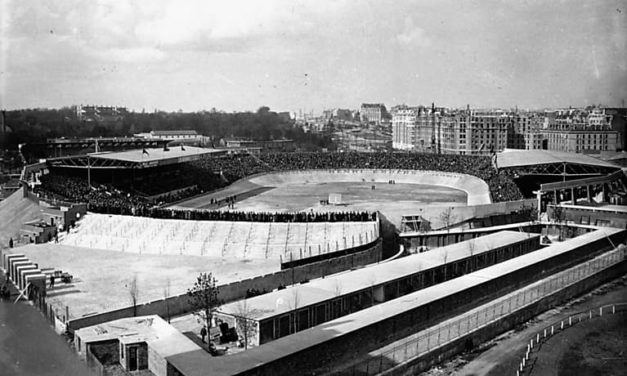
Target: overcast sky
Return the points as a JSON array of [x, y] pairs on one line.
[[290, 55]]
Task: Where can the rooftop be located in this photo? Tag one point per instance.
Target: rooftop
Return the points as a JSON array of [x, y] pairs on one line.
[[195, 363], [175, 132], [158, 334], [155, 154], [281, 301], [518, 158]]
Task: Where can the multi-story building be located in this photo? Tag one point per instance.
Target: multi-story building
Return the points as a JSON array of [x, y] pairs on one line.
[[473, 132], [404, 124], [374, 113], [524, 131], [577, 137], [440, 131], [619, 124], [338, 114]]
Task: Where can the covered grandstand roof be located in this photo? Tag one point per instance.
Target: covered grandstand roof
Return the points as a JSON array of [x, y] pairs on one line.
[[154, 154], [518, 158], [136, 158]]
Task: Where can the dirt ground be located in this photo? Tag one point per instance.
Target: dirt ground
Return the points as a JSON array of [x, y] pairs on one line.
[[392, 200], [502, 355], [102, 278]]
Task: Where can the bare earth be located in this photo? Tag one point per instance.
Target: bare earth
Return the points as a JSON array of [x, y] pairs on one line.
[[392, 200], [101, 277], [502, 355]]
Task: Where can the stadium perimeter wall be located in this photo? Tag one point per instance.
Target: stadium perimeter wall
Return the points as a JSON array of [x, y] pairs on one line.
[[477, 190], [179, 304]]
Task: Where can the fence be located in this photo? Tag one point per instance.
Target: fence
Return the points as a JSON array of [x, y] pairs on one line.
[[423, 342], [527, 362]]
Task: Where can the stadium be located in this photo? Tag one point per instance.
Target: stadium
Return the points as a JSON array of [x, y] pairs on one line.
[[348, 254]]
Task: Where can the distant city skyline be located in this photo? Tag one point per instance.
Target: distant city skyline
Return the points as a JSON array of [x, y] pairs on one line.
[[311, 55]]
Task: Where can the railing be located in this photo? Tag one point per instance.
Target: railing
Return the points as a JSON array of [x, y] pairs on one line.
[[423, 342], [534, 345]]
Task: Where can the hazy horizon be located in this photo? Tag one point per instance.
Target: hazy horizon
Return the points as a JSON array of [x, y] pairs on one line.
[[289, 55]]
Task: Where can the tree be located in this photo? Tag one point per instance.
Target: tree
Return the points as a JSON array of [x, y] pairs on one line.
[[558, 216], [203, 296], [166, 296], [444, 264], [133, 291], [529, 213], [246, 326], [471, 249], [448, 218], [337, 288], [294, 304]]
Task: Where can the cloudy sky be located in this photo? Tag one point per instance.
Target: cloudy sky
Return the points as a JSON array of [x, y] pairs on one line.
[[294, 54]]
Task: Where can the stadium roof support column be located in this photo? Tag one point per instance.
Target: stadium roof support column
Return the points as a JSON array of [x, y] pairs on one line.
[[88, 172]]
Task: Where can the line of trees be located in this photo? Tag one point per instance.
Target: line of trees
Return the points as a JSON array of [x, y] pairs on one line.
[[36, 125]]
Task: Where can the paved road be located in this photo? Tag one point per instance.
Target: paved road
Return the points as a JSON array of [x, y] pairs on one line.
[[29, 346]]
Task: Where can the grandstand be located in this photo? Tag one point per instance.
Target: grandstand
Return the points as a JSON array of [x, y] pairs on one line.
[[277, 222], [224, 239], [531, 168]]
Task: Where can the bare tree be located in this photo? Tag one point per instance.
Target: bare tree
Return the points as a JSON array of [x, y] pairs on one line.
[[246, 326], [448, 218], [337, 288], [558, 216], [372, 280], [133, 290], [444, 265], [166, 297], [203, 296], [529, 213], [294, 304], [294, 301], [471, 250]]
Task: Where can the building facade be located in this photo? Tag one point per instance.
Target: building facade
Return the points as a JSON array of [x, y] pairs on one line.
[[373, 113]]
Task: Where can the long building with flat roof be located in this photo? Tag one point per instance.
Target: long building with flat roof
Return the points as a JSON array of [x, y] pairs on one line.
[[418, 310], [299, 307]]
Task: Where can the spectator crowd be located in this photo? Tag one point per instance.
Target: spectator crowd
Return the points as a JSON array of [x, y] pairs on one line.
[[209, 174]]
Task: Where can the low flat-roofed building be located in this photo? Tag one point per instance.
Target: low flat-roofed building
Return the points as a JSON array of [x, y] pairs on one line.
[[143, 342], [299, 307], [179, 134], [37, 232]]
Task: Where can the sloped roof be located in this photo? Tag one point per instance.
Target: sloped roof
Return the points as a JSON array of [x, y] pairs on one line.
[[518, 158]]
